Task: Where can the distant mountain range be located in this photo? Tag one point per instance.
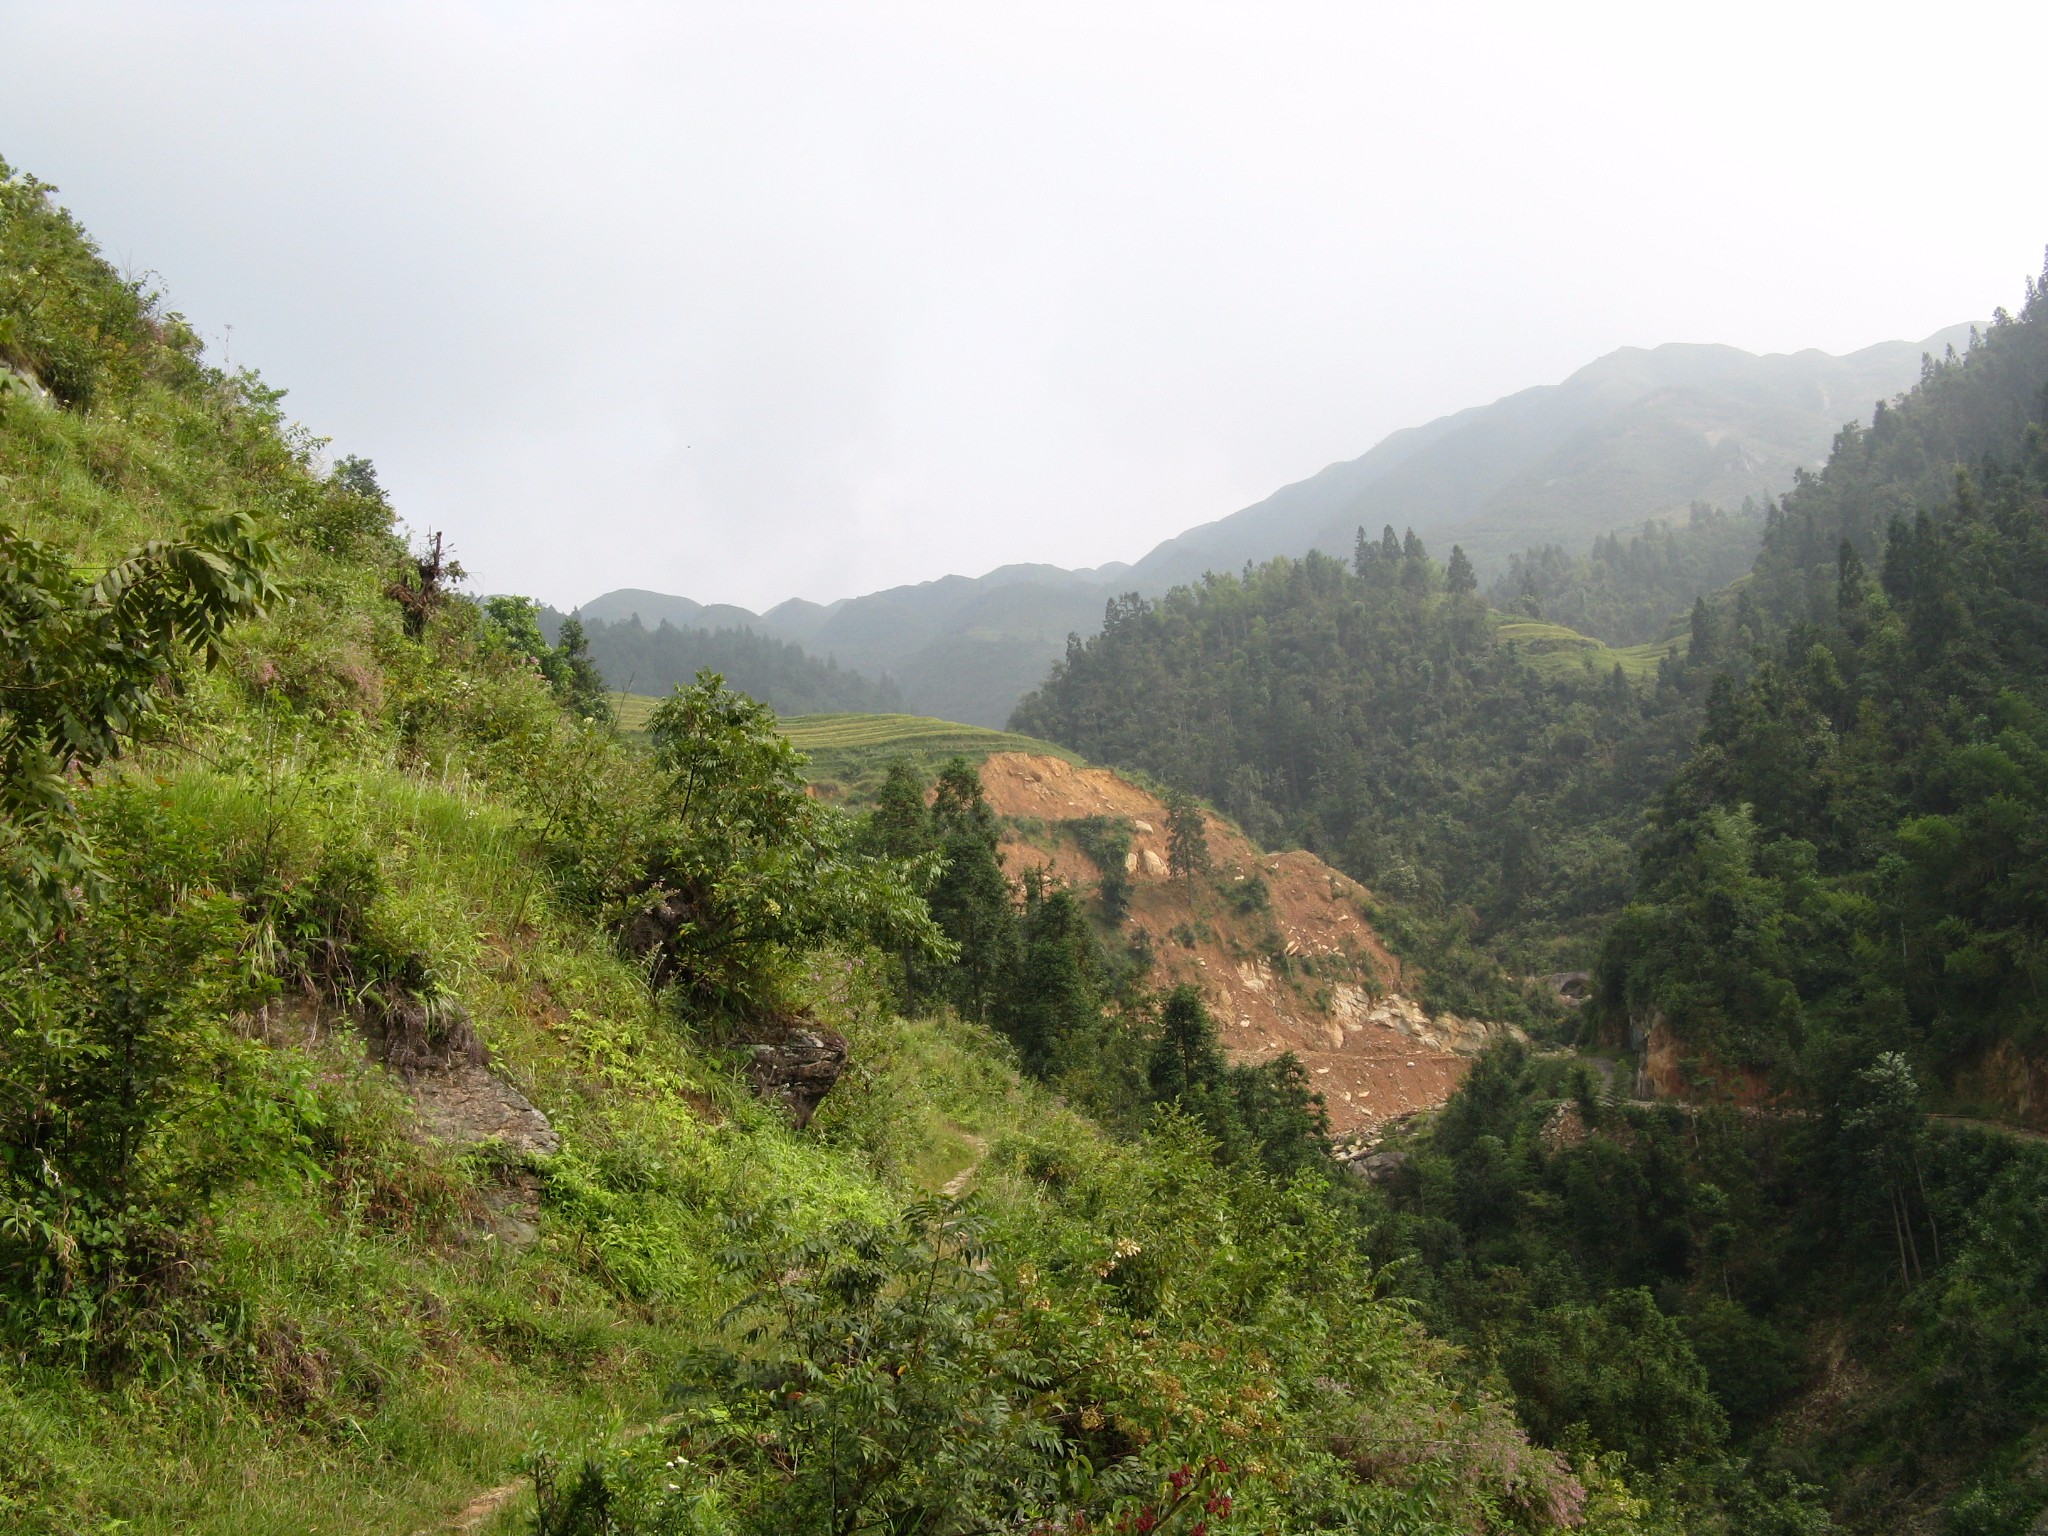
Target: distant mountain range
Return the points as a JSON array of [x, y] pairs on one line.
[[1638, 433]]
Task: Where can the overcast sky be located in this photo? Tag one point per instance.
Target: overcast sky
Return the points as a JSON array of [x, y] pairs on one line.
[[756, 301]]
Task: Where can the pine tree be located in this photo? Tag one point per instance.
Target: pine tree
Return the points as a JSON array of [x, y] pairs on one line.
[[1458, 578], [971, 899], [1187, 839], [899, 826], [1186, 1056], [1052, 1008], [1416, 573]]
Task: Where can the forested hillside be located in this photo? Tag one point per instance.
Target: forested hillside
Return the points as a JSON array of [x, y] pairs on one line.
[[1641, 432], [780, 673], [1633, 435], [1786, 1286], [1632, 588], [425, 1107], [1854, 857], [1373, 712]]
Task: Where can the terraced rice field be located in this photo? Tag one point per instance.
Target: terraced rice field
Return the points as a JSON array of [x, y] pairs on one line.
[[633, 710], [850, 753], [1552, 648]]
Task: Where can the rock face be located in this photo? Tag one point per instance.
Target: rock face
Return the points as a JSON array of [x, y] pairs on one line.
[[436, 1054], [650, 930], [795, 1062], [466, 1104]]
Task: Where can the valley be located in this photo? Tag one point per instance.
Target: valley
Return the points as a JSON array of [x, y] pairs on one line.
[[445, 1085]]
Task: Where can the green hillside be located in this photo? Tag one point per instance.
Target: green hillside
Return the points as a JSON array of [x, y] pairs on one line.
[[1800, 849], [850, 753], [406, 1080]]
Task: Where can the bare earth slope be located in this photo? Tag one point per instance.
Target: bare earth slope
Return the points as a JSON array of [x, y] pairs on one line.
[[1301, 972]]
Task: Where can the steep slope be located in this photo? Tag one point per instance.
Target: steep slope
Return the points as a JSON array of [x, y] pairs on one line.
[[1278, 944], [397, 1074], [1870, 782]]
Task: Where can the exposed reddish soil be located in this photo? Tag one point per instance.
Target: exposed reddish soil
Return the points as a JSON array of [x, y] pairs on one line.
[[1672, 1069], [1306, 975]]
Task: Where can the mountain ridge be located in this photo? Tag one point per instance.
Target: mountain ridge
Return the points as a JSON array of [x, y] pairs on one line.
[[1639, 432]]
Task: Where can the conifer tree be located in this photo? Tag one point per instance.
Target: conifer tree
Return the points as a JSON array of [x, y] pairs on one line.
[[971, 900], [1458, 577], [1187, 839], [1053, 1007]]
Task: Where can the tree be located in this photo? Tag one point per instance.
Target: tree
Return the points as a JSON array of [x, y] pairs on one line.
[[1458, 576], [574, 674], [743, 871], [1186, 1058], [422, 591], [1884, 1126], [971, 899], [570, 672], [1418, 575], [1704, 648], [1051, 1007], [1187, 839]]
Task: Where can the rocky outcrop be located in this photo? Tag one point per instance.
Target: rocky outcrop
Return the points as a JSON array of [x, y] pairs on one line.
[[1672, 1068], [795, 1062], [2007, 1082], [411, 1036], [466, 1104], [1572, 988], [434, 1051], [1355, 1009], [651, 931]]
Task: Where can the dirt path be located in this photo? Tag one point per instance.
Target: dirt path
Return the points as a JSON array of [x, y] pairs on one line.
[[1994, 1127], [477, 1513], [956, 1186]]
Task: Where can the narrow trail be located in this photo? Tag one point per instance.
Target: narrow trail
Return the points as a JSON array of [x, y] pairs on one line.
[[486, 1504], [956, 1186], [477, 1513]]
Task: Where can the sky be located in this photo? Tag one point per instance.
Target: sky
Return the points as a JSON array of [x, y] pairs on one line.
[[764, 300]]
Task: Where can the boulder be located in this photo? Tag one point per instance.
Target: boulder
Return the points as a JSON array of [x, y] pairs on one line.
[[795, 1061]]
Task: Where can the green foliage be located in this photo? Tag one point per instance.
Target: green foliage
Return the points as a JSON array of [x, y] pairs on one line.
[[742, 871], [1106, 840], [567, 665], [84, 331], [82, 665], [1266, 1113], [1146, 1343], [1386, 727], [1850, 862], [1187, 838], [1628, 591], [128, 1108]]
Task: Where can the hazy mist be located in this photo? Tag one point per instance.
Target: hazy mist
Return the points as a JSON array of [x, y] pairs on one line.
[[760, 301]]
